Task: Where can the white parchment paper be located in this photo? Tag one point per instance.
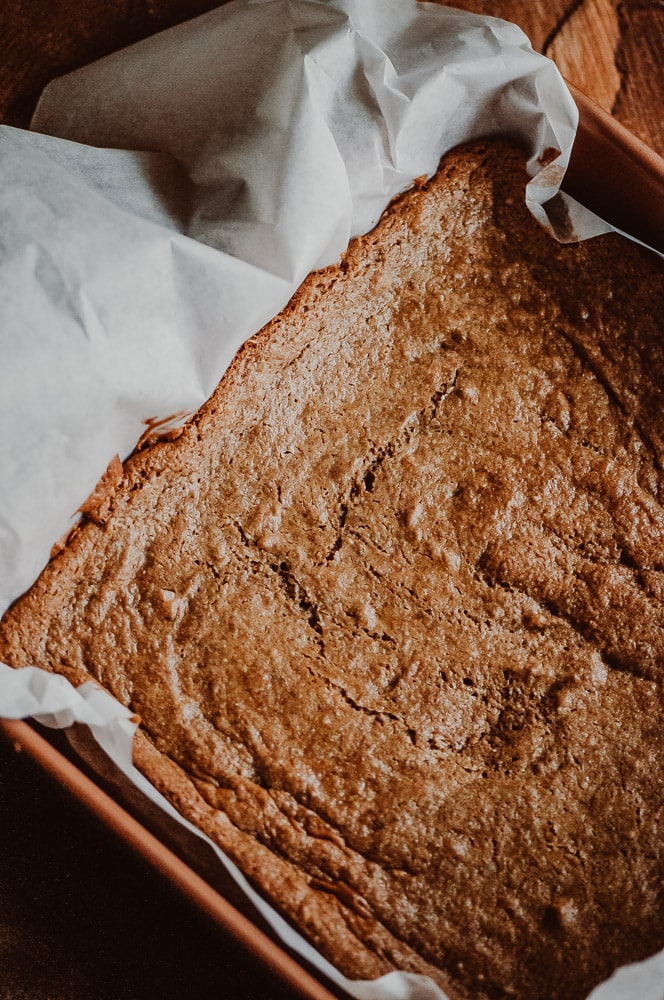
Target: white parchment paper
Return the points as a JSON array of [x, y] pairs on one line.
[[180, 192]]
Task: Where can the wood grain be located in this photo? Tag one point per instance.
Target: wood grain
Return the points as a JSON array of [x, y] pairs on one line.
[[612, 50], [639, 104], [584, 49]]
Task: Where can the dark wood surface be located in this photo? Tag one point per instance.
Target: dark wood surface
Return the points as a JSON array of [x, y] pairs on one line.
[[80, 916]]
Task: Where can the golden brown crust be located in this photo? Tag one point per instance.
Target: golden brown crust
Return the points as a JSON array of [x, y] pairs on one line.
[[390, 607]]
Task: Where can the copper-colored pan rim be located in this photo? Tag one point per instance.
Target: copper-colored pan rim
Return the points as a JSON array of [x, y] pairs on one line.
[[164, 860]]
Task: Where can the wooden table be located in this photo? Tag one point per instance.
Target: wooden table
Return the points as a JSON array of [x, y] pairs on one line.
[[64, 934]]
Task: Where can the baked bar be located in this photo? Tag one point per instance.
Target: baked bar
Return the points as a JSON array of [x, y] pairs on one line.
[[391, 607]]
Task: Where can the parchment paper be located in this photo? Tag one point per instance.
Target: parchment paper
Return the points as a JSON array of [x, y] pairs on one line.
[[275, 130]]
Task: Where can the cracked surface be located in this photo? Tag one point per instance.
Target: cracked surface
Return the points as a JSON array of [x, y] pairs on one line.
[[391, 607]]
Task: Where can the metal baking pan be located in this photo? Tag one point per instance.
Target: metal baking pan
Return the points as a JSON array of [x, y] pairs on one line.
[[630, 195]]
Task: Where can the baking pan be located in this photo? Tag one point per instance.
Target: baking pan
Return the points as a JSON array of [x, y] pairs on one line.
[[163, 845], [627, 190], [616, 175]]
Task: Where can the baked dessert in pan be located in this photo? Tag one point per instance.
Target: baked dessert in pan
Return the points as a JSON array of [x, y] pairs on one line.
[[390, 606]]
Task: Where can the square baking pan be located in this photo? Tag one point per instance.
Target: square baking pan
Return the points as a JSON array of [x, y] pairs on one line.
[[622, 180]]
